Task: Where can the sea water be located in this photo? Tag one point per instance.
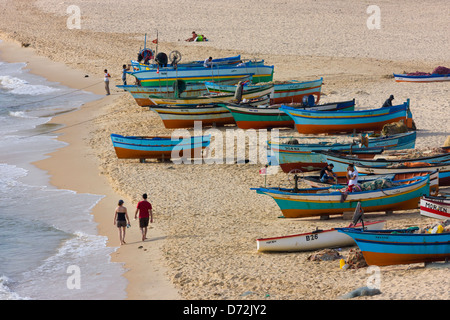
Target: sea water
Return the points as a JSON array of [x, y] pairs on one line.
[[49, 244]]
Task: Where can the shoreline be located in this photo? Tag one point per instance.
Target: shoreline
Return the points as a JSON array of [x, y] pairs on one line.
[[72, 166]]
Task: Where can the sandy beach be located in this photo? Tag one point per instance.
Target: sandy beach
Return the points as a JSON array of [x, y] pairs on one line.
[[202, 244]]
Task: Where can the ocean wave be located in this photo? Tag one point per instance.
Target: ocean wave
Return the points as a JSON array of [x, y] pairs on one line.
[[23, 87], [5, 290]]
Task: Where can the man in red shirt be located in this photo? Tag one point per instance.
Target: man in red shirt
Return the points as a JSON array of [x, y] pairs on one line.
[[145, 214]]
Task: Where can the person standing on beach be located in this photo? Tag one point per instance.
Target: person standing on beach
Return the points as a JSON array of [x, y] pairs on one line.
[[107, 76], [124, 74], [120, 220], [145, 214]]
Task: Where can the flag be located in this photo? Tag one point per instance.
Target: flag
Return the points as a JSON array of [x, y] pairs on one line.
[[263, 171], [155, 41]]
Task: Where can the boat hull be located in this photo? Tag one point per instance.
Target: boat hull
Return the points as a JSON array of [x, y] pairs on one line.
[[310, 203], [311, 241], [317, 122], [436, 208], [382, 248], [158, 147], [422, 78]]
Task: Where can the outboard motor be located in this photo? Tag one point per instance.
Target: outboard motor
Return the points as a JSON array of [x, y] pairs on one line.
[[161, 59]]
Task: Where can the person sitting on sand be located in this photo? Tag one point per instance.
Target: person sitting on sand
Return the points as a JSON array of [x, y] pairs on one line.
[[327, 174], [193, 38]]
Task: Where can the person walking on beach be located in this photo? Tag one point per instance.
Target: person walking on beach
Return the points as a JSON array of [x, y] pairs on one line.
[[145, 214], [120, 220], [107, 76]]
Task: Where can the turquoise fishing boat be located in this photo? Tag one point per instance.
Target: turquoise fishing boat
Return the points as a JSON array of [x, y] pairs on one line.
[[316, 122], [270, 116], [402, 246], [167, 76], [140, 147], [292, 91], [384, 195]]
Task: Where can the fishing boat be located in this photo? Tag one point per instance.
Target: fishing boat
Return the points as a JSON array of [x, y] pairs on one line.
[[442, 167], [319, 239], [191, 64], [166, 76], [180, 88], [315, 122], [341, 162], [257, 92], [308, 157], [435, 207], [270, 116], [341, 181], [401, 246], [382, 195], [185, 116], [291, 91], [139, 147], [421, 78]]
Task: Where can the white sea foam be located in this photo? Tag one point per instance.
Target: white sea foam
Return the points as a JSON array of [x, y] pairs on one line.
[[23, 87]]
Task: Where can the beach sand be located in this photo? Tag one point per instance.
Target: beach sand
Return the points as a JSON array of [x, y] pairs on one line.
[[202, 244]]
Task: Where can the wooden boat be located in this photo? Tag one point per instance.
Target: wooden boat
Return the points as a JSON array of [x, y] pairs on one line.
[[315, 122], [307, 156], [134, 147], [421, 78], [179, 89], [341, 162], [185, 116], [166, 76], [442, 167], [270, 116], [299, 203], [319, 239], [435, 207], [284, 91], [191, 64], [314, 181], [393, 247], [250, 94]]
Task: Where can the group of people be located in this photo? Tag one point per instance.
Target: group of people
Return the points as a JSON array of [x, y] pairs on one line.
[[327, 175], [122, 221], [196, 37]]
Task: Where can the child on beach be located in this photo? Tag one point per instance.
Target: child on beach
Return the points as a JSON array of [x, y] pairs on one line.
[[120, 220]]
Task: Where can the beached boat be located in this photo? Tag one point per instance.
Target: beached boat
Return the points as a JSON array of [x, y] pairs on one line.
[[442, 167], [315, 122], [134, 147], [185, 116], [257, 92], [389, 196], [341, 181], [191, 64], [179, 89], [307, 156], [319, 239], [435, 207], [402, 246], [284, 91], [270, 116], [341, 162], [166, 76], [421, 78]]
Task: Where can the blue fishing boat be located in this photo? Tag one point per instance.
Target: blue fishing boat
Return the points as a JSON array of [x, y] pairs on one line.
[[402, 246], [421, 78], [308, 157], [140, 147], [315, 122]]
